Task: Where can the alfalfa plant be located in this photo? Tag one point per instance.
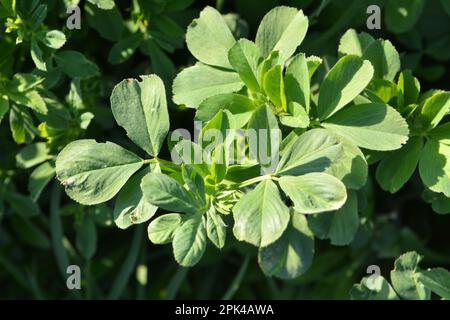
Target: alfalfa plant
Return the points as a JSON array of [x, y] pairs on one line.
[[311, 185]]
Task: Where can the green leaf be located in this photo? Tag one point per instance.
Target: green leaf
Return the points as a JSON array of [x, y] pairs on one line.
[[353, 43], [239, 105], [222, 121], [131, 207], [437, 280], [313, 151], [351, 166], [409, 87], [384, 90], [28, 232], [108, 23], [244, 57], [4, 106], [86, 239], [215, 228], [37, 55], [260, 216], [238, 26], [297, 81], [209, 39], [39, 178], [273, 84], [292, 254], [440, 203], [402, 15], [9, 6], [266, 137], [398, 167], [75, 64], [22, 205], [141, 109], [314, 192], [219, 165], [446, 5], [384, 58], [103, 4], [297, 118], [374, 126], [21, 125], [162, 229], [340, 226], [403, 278], [31, 99], [348, 77], [54, 39], [124, 48], [441, 133], [313, 63], [434, 167], [23, 82], [167, 193], [272, 60], [38, 16], [196, 83], [161, 64], [94, 172], [33, 154], [282, 29], [189, 241], [190, 153], [433, 111], [373, 288], [215, 139]]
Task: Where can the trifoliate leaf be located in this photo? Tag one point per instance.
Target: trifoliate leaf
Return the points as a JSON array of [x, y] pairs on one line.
[[292, 254], [141, 109], [196, 83], [260, 216], [282, 29], [94, 172]]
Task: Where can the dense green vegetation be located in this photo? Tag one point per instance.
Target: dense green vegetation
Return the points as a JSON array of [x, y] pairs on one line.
[[354, 176]]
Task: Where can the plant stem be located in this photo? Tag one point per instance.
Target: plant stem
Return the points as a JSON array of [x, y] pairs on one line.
[[128, 266], [175, 283], [220, 4], [237, 280], [251, 181], [88, 292], [56, 232], [165, 165], [57, 235]]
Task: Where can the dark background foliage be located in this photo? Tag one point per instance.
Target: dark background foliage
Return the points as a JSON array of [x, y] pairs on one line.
[[391, 225]]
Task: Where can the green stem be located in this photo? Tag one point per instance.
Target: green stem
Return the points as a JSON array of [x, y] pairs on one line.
[[88, 292], [165, 165], [56, 232], [128, 266], [220, 4], [142, 275], [237, 280], [15, 272], [251, 181], [175, 283], [57, 235]]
